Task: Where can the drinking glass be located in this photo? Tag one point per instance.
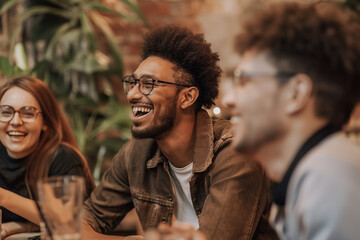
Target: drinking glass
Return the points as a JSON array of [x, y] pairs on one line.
[[60, 204]]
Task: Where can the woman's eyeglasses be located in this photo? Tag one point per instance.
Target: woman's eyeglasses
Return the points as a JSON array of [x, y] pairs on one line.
[[27, 114]]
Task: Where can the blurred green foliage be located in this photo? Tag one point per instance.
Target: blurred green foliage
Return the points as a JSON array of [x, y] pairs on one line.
[[71, 46]]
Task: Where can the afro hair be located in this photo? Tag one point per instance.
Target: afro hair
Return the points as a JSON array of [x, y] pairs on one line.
[[191, 54]]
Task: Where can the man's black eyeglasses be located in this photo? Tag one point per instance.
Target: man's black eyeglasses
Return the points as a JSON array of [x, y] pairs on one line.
[[146, 84]]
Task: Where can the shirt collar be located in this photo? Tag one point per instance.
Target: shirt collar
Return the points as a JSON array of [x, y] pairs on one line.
[[280, 189]]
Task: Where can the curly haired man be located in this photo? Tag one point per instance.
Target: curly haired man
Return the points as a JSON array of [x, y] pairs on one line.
[[294, 89], [180, 165]]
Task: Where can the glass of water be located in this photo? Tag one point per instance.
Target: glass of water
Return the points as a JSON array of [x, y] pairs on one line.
[[60, 204]]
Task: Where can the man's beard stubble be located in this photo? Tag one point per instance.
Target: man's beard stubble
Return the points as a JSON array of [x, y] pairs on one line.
[[165, 124]]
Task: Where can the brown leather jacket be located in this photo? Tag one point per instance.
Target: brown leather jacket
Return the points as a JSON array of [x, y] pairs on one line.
[[230, 192]]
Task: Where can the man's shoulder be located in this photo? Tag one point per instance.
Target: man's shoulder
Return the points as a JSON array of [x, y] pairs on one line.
[[330, 166], [222, 129], [65, 154], [327, 178], [334, 151]]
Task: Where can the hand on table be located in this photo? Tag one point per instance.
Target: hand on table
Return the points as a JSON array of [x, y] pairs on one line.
[[10, 228], [176, 231]]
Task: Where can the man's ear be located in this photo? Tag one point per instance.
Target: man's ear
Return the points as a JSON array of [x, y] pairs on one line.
[[298, 93], [188, 97]]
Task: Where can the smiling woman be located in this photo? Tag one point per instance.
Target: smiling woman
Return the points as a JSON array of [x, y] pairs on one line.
[[19, 132], [35, 142]]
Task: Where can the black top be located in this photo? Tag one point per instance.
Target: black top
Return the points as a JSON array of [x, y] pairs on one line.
[[12, 173], [280, 189]]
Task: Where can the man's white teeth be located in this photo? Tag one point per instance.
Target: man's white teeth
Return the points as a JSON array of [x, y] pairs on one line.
[[235, 119], [141, 109]]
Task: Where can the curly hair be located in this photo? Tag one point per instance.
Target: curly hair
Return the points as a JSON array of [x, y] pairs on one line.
[[321, 40], [195, 63]]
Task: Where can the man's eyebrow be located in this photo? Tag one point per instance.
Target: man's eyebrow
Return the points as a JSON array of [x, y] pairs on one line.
[[144, 75], [149, 75]]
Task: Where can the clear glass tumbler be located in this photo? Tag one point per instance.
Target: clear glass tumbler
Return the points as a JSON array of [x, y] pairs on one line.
[[60, 203]]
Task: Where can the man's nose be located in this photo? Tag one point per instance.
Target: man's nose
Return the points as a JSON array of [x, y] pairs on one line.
[[228, 99], [134, 93]]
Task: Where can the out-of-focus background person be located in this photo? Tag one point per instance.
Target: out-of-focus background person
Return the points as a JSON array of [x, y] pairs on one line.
[[293, 91]]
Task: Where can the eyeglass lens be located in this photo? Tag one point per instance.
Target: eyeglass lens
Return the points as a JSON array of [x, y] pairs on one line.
[[27, 114], [146, 84]]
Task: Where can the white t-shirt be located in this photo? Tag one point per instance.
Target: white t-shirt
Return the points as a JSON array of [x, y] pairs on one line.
[[185, 208]]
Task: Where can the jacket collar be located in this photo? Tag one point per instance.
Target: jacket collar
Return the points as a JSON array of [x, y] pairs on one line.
[[203, 146], [280, 189]]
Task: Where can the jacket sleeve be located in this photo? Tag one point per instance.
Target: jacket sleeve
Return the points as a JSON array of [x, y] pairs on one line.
[[237, 199], [111, 200]]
